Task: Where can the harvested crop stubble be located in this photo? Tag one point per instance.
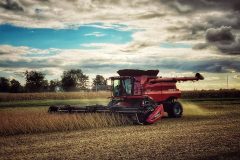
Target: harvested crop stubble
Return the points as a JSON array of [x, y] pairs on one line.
[[25, 122]]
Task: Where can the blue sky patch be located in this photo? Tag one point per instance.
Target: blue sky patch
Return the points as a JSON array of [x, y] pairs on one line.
[[71, 38]]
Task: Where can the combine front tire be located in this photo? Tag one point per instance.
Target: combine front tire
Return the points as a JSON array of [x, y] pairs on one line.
[[175, 110]]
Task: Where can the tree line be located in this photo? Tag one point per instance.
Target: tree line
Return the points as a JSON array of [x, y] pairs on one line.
[[71, 80]]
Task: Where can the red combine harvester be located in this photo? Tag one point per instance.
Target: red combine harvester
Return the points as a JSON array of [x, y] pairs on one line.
[[140, 95]]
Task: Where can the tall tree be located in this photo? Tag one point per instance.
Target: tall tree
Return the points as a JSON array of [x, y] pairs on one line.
[[99, 83], [4, 84], [99, 80], [74, 80], [54, 84], [35, 81], [15, 86], [45, 85]]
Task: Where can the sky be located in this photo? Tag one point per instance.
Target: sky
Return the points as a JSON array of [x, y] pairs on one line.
[[178, 37]]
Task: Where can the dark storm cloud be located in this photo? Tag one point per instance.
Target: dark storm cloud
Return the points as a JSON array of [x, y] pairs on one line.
[[213, 66], [237, 6], [3, 53], [188, 20], [103, 66], [210, 14], [200, 46], [220, 35], [96, 67], [189, 6], [150, 15], [12, 5], [216, 66], [220, 30], [178, 5], [229, 19], [173, 64], [136, 46], [196, 30], [223, 39]]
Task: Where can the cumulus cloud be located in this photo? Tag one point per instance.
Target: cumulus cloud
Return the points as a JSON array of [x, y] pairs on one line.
[[211, 26], [77, 12], [158, 21], [108, 58], [8, 52]]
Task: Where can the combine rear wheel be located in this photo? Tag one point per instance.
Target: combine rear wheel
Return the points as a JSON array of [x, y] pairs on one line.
[[175, 110]]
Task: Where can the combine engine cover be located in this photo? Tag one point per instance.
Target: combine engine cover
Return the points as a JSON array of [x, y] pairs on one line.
[[136, 73]]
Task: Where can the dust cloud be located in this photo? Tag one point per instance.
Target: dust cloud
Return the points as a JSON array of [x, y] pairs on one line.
[[193, 109]]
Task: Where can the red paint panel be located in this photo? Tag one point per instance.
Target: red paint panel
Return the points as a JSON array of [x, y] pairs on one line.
[[156, 114]]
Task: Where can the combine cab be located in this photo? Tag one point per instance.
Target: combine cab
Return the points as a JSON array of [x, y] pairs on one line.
[[140, 95]]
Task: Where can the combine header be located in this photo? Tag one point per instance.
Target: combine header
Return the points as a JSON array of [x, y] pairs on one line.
[[140, 95]]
